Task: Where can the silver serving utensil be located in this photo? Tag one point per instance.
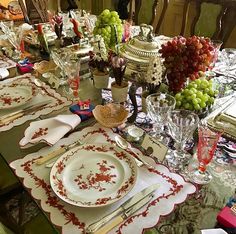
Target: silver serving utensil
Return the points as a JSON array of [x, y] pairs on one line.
[[125, 210], [123, 144]]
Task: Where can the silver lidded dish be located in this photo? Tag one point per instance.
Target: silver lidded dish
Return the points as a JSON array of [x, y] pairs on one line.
[[140, 48]]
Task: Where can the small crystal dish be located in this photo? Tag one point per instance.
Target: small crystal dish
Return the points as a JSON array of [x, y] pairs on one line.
[[110, 115], [134, 133]]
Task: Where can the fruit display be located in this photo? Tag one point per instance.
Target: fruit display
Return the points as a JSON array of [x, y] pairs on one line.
[[184, 58], [197, 96], [109, 26]]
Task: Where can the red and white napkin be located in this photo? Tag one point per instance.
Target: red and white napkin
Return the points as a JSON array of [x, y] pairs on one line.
[[49, 130]]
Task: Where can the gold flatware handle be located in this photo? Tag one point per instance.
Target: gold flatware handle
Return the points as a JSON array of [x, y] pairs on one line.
[[51, 155], [11, 118], [116, 221]]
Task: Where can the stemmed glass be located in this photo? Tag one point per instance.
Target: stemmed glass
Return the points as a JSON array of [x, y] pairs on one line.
[[72, 71], [158, 106], [182, 124], [229, 55], [207, 143], [217, 45], [60, 59], [14, 38]]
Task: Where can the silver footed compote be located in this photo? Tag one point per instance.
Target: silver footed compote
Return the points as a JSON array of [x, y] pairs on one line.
[[181, 124]]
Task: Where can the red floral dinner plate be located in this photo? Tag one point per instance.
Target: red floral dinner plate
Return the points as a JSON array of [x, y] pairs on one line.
[[93, 175], [14, 95]]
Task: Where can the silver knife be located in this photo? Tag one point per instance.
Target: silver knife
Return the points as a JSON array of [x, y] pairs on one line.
[[24, 111], [126, 214], [123, 208]]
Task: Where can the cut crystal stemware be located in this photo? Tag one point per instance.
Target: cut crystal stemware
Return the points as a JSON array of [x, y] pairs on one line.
[[158, 106], [181, 124]]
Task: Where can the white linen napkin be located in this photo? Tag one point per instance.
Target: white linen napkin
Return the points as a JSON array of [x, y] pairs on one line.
[[213, 231], [49, 130], [4, 73]]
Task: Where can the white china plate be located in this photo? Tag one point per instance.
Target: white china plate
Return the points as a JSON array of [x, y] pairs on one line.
[[14, 95], [93, 175]]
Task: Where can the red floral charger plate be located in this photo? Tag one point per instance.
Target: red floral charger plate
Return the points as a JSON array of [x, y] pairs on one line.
[[15, 95], [93, 175]]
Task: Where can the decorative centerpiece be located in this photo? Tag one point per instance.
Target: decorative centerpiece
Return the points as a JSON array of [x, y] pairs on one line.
[[139, 50], [58, 26], [186, 60], [44, 49], [152, 80], [119, 88], [77, 30], [109, 26], [99, 63]]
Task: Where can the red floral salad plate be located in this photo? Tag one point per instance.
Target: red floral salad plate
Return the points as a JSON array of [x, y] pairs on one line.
[[14, 95], [93, 175]]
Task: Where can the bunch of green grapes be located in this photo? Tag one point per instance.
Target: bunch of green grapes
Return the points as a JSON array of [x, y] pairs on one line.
[[109, 26], [198, 95]]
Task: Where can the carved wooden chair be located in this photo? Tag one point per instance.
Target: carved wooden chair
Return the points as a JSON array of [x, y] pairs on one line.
[[214, 18], [35, 11], [150, 8]]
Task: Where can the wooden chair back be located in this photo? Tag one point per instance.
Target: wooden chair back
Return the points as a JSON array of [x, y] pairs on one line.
[[151, 15], [35, 11], [214, 18]]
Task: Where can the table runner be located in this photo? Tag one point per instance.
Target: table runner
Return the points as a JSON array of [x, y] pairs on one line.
[[42, 93], [173, 189]]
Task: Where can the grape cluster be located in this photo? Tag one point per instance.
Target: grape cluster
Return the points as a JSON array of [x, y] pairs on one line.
[[184, 58], [198, 95], [109, 26]]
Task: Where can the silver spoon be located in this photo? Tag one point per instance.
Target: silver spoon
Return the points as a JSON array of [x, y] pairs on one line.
[[123, 144]]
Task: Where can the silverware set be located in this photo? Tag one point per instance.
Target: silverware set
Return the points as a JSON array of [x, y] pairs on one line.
[[124, 211], [25, 111]]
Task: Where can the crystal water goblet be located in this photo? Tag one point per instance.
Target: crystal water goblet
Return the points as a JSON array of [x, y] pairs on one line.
[[181, 124], [207, 143], [158, 106]]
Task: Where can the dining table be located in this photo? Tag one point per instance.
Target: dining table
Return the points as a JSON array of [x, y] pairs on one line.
[[178, 205]]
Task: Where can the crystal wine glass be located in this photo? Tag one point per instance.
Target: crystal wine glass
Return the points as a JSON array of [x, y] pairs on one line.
[[158, 106], [207, 143], [216, 45], [182, 124]]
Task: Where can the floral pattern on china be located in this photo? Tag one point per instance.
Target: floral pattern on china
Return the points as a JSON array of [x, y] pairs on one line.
[[93, 175], [15, 95]]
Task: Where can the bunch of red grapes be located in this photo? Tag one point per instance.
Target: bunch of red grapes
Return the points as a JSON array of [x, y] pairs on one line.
[[184, 58]]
